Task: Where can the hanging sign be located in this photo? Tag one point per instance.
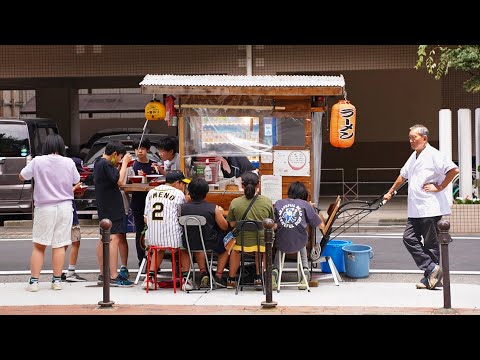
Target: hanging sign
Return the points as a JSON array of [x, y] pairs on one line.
[[342, 124], [155, 110]]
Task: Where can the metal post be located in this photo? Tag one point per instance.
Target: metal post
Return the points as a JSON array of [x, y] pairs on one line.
[[444, 238], [268, 226], [105, 226]]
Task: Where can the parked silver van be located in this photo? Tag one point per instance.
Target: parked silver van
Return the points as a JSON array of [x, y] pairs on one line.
[[20, 141]]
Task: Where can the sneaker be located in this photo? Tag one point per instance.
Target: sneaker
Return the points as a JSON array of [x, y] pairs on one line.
[[33, 287], [187, 284], [56, 285], [120, 281], [205, 282], [219, 282], [124, 272], [423, 284], [257, 283], [274, 279], [64, 276], [100, 280], [231, 283], [75, 278], [151, 285], [434, 277]]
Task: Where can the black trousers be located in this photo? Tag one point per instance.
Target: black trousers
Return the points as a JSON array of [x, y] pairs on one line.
[[427, 254], [139, 224]]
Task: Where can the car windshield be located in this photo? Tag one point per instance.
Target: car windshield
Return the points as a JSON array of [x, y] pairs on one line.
[[98, 149]]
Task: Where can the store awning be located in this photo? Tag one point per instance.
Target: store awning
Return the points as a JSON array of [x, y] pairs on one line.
[[102, 103], [279, 85]]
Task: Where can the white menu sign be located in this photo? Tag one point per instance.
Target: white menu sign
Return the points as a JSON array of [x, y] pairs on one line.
[[271, 186], [291, 162]]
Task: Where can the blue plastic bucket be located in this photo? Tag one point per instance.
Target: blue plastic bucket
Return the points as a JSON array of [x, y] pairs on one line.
[[357, 260], [334, 250]]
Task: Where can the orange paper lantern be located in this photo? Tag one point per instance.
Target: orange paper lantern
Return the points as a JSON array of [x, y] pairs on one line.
[[155, 110], [342, 124]]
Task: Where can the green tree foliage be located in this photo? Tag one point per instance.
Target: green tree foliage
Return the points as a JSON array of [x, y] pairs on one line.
[[438, 59]]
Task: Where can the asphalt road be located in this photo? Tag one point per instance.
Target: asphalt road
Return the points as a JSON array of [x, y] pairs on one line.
[[388, 248]]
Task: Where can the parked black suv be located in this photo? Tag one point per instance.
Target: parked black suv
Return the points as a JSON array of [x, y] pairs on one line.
[[20, 141]]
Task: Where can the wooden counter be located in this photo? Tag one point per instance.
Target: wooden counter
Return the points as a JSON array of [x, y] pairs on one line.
[[136, 187], [218, 197], [223, 198]]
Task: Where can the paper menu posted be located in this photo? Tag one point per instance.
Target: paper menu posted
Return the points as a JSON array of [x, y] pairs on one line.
[[271, 186], [291, 162]]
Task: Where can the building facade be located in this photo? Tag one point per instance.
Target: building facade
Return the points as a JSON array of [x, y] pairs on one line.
[[389, 94]]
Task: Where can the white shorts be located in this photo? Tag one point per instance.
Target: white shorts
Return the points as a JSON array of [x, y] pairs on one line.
[[52, 225]]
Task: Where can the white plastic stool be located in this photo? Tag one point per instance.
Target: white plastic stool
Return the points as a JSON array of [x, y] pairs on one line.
[[301, 273]]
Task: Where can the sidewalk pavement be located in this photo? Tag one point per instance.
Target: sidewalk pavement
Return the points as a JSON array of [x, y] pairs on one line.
[[379, 294], [353, 296]]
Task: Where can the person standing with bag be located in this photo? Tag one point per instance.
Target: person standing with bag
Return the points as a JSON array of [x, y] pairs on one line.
[[254, 207]]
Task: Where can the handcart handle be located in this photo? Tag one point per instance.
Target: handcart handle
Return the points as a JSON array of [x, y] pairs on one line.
[[393, 194]]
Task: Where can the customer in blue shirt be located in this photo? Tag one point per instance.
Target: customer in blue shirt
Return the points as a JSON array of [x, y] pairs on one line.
[[292, 216]]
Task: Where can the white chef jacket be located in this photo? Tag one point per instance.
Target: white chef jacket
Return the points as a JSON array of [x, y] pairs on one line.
[[431, 166]]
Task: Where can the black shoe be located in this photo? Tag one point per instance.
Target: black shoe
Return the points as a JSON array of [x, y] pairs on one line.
[[219, 282], [64, 276]]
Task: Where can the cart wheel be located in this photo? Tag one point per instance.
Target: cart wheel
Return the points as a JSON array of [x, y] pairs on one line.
[[315, 253]]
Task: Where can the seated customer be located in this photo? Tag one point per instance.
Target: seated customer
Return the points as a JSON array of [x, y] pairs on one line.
[[161, 216], [213, 231], [292, 215], [262, 208]]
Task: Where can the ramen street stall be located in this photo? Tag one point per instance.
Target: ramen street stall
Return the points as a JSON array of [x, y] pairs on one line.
[[274, 121]]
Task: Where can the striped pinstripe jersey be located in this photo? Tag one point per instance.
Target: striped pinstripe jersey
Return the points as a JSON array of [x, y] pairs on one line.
[[161, 210]]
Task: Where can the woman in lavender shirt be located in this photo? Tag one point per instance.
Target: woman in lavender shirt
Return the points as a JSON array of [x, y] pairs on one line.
[[54, 174]]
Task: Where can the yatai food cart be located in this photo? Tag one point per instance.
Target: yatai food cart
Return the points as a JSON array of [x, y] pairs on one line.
[[274, 121]]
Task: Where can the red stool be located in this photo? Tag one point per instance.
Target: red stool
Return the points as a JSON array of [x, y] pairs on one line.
[[174, 273]]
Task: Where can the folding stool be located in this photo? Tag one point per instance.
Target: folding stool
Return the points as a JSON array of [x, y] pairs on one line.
[[301, 273], [199, 221], [242, 226]]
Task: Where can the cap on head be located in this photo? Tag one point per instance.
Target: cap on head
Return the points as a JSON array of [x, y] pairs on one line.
[[176, 175]]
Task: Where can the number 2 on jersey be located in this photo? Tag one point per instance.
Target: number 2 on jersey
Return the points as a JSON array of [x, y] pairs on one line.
[[157, 211]]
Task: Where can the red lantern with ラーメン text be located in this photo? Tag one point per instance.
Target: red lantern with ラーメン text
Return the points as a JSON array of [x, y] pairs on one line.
[[342, 124]]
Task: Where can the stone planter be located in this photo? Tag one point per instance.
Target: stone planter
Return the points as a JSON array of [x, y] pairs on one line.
[[465, 218]]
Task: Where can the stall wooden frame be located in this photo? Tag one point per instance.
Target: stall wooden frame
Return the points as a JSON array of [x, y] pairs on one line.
[[282, 96]]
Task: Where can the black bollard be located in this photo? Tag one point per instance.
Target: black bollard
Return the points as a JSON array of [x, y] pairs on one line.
[[444, 238], [105, 226], [268, 226]]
